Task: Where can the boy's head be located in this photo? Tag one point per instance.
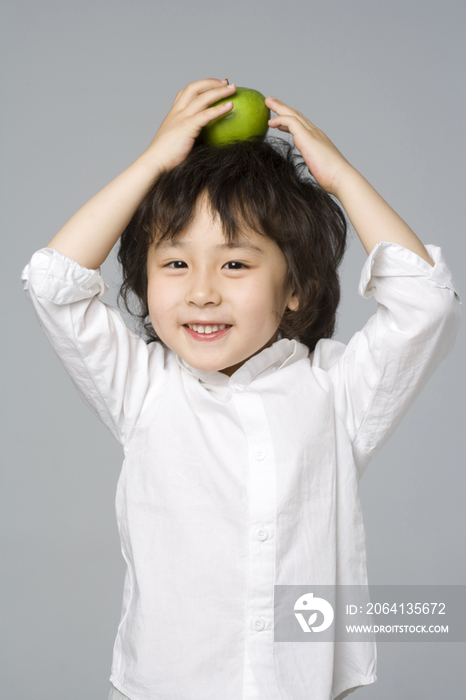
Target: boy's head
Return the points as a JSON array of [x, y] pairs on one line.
[[181, 254]]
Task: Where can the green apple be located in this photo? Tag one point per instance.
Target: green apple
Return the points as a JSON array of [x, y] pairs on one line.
[[247, 120]]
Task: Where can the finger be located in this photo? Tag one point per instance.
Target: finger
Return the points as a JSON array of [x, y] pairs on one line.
[[203, 118], [282, 109], [278, 106], [280, 127], [198, 87], [288, 120], [191, 88], [208, 98]]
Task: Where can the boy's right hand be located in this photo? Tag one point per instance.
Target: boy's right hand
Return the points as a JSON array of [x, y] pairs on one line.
[[189, 114]]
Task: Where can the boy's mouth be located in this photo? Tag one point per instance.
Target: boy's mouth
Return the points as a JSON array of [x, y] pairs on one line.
[[207, 332], [207, 328]]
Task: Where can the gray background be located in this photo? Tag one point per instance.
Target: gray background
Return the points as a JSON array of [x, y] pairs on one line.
[[85, 86]]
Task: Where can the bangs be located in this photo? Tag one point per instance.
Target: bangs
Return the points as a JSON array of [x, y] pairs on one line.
[[234, 182], [236, 219]]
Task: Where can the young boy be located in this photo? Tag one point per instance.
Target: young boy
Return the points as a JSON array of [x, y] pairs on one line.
[[245, 427]]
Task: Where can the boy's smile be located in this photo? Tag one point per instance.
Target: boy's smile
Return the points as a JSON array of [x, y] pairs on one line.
[[215, 305]]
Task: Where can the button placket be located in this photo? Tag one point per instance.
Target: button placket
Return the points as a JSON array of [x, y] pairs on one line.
[[262, 506]]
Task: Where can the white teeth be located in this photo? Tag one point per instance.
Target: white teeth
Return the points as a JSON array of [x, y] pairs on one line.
[[206, 329]]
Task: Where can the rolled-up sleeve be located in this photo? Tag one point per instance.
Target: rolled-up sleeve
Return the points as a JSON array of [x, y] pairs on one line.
[[110, 365], [384, 367]]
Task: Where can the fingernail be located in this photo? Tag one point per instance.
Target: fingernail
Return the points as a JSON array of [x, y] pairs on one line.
[[225, 80]]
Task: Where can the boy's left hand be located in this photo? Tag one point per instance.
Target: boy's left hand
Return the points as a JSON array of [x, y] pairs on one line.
[[325, 162]]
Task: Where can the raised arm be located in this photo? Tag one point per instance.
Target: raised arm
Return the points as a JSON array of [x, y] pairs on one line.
[[372, 218], [90, 234]]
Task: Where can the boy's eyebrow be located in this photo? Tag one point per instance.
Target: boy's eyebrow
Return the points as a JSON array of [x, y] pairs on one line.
[[243, 245], [178, 243]]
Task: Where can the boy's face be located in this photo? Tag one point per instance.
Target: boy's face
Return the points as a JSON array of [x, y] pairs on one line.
[[198, 280]]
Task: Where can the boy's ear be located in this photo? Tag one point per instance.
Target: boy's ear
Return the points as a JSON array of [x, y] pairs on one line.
[[293, 302]]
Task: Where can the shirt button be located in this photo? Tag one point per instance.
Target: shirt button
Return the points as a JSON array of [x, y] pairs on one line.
[[258, 624], [259, 454], [262, 533]]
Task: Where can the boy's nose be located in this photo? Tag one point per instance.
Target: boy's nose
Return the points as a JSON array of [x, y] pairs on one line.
[[202, 291]]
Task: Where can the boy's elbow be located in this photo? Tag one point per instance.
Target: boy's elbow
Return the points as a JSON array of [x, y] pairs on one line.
[[454, 314], [447, 319]]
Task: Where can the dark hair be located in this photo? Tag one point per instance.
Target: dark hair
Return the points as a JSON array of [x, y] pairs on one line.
[[266, 186]]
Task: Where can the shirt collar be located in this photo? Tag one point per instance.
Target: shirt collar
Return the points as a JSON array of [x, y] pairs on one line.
[[282, 353]]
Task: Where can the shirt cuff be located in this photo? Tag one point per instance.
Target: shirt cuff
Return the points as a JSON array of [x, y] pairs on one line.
[[61, 279], [393, 260]]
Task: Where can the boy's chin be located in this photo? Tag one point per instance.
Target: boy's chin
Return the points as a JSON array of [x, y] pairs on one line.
[[216, 366], [224, 366], [211, 365]]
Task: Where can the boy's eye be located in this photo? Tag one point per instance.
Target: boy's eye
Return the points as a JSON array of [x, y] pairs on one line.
[[237, 265], [176, 263]]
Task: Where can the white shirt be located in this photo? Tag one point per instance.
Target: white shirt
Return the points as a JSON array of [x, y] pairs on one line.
[[231, 485]]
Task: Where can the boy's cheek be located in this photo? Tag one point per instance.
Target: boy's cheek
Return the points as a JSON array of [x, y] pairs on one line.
[[161, 297], [165, 319]]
